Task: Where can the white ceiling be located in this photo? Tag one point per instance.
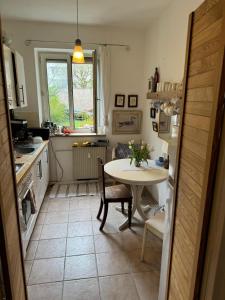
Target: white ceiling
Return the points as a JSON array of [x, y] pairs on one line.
[[122, 13]]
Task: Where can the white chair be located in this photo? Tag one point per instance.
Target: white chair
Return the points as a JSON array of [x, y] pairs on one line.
[[156, 224]]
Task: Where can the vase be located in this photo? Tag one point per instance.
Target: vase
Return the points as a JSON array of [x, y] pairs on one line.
[[137, 163]]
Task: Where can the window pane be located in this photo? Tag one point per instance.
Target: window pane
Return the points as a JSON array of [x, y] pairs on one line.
[[83, 96], [58, 92]]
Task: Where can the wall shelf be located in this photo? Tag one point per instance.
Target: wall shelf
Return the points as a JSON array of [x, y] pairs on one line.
[[164, 95]]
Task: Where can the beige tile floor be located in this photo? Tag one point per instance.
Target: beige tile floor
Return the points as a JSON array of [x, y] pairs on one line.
[[69, 258]]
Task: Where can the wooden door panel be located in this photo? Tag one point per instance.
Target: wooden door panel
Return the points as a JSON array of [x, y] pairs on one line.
[[198, 139], [199, 122], [195, 134], [207, 19], [207, 34], [203, 64]]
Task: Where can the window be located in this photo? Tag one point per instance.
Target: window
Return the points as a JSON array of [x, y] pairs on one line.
[[70, 91]]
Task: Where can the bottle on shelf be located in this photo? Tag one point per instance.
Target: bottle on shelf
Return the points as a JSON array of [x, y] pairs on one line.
[[156, 80]]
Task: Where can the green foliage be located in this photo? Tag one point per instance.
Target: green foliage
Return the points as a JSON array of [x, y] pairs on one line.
[[139, 152], [83, 76], [59, 113]]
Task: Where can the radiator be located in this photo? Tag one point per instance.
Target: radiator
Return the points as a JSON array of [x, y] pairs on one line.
[[85, 162]]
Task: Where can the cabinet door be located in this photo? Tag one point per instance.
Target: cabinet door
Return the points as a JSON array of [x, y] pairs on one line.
[[45, 165], [39, 179], [10, 81], [21, 81]]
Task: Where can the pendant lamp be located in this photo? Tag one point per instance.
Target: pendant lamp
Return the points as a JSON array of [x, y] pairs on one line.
[[78, 53]]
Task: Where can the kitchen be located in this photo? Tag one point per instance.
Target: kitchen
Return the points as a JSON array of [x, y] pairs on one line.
[[61, 116]]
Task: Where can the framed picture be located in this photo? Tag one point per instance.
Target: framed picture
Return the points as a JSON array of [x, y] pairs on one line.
[[126, 121], [119, 100], [152, 112], [155, 126], [164, 123], [132, 100]]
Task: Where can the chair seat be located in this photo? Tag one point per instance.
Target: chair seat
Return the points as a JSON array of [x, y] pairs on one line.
[[156, 224], [116, 192]]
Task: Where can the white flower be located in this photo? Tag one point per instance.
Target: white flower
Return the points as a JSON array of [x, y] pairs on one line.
[[142, 147]]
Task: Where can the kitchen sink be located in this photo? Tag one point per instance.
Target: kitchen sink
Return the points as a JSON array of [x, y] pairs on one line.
[[18, 167], [26, 148]]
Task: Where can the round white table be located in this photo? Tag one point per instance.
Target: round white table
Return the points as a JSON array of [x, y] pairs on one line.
[[137, 178]]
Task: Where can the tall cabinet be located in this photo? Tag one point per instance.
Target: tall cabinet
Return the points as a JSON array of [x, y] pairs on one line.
[[15, 78]]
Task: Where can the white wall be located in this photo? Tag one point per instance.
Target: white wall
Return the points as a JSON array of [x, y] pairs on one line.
[[126, 69], [165, 48]]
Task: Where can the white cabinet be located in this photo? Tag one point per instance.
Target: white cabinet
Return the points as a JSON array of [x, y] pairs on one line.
[[20, 80], [45, 167], [15, 78], [40, 175], [10, 78]]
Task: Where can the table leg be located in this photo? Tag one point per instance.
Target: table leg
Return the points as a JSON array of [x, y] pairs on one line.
[[139, 189], [136, 205]]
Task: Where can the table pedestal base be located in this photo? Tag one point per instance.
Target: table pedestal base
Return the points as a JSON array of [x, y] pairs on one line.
[[136, 193]]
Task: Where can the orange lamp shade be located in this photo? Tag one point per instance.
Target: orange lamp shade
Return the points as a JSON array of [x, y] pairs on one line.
[[78, 53]]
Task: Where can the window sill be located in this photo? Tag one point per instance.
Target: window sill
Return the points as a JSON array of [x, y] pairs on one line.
[[79, 134]]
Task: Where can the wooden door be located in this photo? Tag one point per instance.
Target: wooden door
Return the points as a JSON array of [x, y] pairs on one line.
[[203, 107], [11, 246]]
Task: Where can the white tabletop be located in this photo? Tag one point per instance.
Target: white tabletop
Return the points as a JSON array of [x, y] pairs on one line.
[[147, 174]]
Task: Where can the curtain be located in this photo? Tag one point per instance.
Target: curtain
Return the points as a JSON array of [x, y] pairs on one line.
[[104, 74]]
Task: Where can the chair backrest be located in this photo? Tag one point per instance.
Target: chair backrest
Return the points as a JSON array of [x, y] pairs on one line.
[[101, 177]]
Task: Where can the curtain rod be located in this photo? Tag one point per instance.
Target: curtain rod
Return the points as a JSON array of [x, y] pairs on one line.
[[29, 42]]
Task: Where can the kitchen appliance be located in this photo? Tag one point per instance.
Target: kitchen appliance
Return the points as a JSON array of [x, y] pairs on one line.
[[38, 131], [37, 140], [19, 129], [26, 201]]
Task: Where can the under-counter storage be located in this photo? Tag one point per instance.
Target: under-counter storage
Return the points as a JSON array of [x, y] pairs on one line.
[[31, 192], [40, 173]]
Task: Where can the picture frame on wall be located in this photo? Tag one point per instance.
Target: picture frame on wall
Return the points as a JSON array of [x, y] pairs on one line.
[[152, 112], [155, 126], [126, 121], [132, 100], [119, 100], [164, 123]]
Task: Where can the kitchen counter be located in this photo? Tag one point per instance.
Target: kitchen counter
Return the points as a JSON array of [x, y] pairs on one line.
[[28, 160]]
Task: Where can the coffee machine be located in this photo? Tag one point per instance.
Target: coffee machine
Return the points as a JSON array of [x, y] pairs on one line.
[[19, 129]]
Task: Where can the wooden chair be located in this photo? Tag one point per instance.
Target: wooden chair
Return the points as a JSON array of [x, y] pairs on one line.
[[111, 194], [156, 225]]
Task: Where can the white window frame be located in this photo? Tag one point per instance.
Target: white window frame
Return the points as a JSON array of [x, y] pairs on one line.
[[66, 56]]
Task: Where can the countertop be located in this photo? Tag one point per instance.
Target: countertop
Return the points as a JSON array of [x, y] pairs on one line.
[[28, 160]]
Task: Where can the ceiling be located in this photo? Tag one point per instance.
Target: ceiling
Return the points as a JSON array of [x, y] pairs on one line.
[[122, 13]]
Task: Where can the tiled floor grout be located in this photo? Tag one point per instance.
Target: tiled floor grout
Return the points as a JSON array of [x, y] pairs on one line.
[[64, 266], [99, 290], [95, 252]]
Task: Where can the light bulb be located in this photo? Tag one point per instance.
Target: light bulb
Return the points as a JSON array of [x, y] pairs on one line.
[[78, 54]]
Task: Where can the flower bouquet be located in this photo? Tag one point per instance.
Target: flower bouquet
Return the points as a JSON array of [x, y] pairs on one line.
[[139, 152]]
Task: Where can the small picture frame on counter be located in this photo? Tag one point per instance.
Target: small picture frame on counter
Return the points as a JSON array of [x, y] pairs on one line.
[[155, 126]]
